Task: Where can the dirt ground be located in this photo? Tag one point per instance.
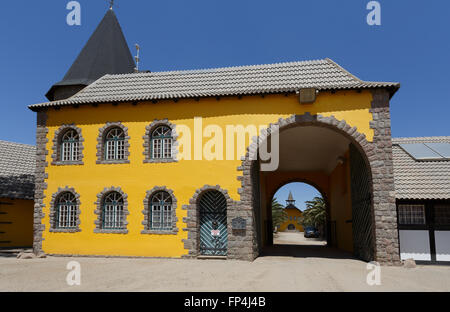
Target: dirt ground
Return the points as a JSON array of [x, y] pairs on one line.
[[296, 238], [284, 267]]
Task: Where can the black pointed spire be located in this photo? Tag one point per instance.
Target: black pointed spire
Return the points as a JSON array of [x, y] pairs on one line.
[[290, 202], [106, 52]]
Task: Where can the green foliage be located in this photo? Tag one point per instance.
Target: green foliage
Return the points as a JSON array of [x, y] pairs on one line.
[[315, 213], [279, 215]]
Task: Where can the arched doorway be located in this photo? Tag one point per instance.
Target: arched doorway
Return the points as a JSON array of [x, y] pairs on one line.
[[208, 223], [213, 236], [314, 149]]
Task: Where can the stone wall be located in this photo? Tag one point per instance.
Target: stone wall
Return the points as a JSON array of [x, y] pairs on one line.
[[40, 177], [378, 155], [385, 213]]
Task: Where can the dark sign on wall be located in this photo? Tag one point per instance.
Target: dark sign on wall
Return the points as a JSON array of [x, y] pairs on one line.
[[238, 223]]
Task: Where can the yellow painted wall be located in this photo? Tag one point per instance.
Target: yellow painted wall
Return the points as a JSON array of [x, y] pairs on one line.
[[341, 205], [291, 213], [183, 177], [19, 232]]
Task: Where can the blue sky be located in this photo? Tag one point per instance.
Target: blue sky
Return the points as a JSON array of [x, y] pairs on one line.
[[411, 46], [300, 191]]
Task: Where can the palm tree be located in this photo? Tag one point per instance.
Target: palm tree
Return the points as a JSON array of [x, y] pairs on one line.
[[279, 215], [315, 213]]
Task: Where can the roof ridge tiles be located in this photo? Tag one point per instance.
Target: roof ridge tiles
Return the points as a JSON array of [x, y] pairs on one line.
[[432, 139], [322, 74], [215, 69]]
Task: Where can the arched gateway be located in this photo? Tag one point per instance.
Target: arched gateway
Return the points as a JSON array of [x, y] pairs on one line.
[[370, 198]]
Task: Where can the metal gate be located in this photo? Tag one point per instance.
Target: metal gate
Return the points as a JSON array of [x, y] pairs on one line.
[[362, 221], [213, 224]]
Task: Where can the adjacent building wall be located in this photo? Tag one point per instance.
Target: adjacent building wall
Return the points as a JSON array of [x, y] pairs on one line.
[[16, 223]]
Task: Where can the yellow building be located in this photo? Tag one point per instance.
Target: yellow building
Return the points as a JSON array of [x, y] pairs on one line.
[[294, 216], [161, 164], [17, 165]]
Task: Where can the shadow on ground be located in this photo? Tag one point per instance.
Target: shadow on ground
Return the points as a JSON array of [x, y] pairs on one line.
[[13, 252], [305, 251]]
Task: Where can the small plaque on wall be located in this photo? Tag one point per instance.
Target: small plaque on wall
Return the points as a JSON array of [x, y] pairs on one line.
[[307, 96], [238, 223]]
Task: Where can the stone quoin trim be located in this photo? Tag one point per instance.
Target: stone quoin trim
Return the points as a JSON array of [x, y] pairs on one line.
[[56, 155], [147, 141], [146, 212], [192, 221], [40, 184], [385, 212], [98, 211], [52, 216], [101, 144], [379, 156]]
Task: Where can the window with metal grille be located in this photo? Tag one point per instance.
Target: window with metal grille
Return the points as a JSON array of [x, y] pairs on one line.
[[66, 211], [411, 214], [115, 144], [161, 143], [70, 146], [161, 211], [113, 216], [442, 214]]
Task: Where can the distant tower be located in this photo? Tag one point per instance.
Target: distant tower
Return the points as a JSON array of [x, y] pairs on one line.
[[290, 202], [106, 52]]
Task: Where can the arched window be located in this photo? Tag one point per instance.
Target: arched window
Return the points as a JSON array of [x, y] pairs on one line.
[[113, 216], [161, 143], [115, 144], [66, 211], [161, 211], [67, 146], [70, 146]]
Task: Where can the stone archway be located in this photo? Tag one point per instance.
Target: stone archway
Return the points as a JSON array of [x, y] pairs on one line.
[[377, 156]]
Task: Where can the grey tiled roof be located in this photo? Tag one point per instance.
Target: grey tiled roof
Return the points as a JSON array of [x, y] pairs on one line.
[[242, 80], [17, 165], [420, 179]]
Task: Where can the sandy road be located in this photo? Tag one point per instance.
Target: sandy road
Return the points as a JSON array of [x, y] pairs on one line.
[[287, 268]]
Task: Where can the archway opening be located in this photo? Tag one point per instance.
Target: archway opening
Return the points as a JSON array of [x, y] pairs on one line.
[[332, 162], [299, 215]]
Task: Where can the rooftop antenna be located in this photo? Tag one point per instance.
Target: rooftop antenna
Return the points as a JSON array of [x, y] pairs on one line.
[[111, 4], [137, 59]]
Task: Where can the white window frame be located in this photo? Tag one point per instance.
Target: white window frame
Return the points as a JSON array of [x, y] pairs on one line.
[[66, 211], [115, 144], [113, 214], [161, 211], [161, 143], [70, 146]]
